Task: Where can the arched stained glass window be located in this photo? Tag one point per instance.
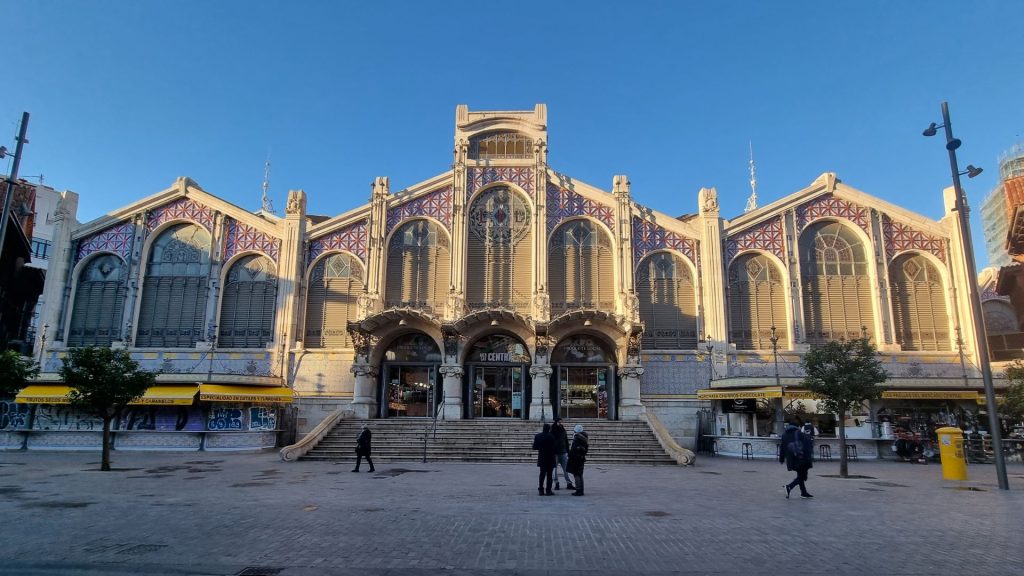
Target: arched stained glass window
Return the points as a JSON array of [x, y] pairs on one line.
[[174, 292], [837, 292], [757, 301], [249, 304], [500, 251], [419, 267], [334, 289], [918, 304], [668, 303], [580, 270], [99, 302]]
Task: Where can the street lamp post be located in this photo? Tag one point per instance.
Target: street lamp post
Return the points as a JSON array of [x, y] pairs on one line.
[[12, 178], [42, 343], [710, 346], [972, 290], [779, 412]]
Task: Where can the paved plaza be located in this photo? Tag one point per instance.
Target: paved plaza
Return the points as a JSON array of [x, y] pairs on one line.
[[226, 514]]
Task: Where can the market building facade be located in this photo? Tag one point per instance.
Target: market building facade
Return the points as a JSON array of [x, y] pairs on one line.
[[501, 289]]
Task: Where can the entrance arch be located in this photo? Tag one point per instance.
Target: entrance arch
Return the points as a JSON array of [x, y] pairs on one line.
[[409, 383], [498, 385], [584, 382]]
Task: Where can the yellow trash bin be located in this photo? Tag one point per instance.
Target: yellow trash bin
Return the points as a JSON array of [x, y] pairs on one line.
[[951, 452]]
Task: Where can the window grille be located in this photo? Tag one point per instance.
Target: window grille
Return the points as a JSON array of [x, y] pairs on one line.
[[99, 302], [418, 267], [248, 304], [580, 273], [837, 294], [175, 289], [500, 145], [334, 288], [500, 251], [668, 303], [757, 301]]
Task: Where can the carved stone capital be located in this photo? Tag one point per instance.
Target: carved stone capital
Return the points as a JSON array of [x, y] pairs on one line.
[[452, 370], [541, 370], [362, 369], [631, 371]]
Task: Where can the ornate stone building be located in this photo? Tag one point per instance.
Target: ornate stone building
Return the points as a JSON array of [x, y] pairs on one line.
[[503, 288]]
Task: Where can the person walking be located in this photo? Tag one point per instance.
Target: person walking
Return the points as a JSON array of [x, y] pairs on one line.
[[578, 457], [363, 448], [561, 452], [544, 444], [796, 450]]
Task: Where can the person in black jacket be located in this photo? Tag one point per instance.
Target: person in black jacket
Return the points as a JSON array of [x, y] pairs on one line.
[[561, 453], [544, 444], [363, 448], [796, 450], [578, 457]]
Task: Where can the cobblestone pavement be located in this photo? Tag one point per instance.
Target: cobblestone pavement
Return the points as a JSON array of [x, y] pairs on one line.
[[218, 514]]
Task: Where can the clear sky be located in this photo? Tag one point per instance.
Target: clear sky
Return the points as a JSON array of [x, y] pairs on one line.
[[125, 96]]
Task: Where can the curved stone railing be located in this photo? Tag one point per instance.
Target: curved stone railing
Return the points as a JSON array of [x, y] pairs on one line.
[[681, 455], [309, 441]]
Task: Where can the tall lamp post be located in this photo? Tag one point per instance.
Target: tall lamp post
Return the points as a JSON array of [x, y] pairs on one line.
[[779, 411], [12, 178], [972, 290]]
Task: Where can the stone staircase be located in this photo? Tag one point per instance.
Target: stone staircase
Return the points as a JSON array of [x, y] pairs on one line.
[[484, 440]]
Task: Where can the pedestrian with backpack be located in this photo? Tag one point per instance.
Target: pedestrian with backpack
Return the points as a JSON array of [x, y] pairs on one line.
[[796, 450]]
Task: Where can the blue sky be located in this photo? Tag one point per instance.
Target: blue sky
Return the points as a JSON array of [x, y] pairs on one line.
[[125, 96]]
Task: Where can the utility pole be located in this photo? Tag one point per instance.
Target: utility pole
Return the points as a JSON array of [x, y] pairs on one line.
[[12, 178]]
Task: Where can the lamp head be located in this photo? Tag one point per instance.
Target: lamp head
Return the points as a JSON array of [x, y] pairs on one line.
[[3, 152], [931, 130], [953, 144], [973, 171]]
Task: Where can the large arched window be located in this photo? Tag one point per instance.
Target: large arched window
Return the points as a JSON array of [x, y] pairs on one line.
[[757, 302], [918, 304], [99, 302], [175, 290], [836, 285], [668, 304], [334, 289], [249, 303], [499, 251], [419, 267], [580, 271], [500, 145]]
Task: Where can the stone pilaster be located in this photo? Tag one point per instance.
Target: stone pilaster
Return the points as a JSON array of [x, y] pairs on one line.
[[456, 290], [712, 267], [291, 276], [540, 398], [628, 303], [376, 232], [213, 280], [60, 267], [364, 403], [452, 374], [630, 407]]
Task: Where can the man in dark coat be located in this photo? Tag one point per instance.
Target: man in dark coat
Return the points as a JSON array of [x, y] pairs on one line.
[[363, 448], [578, 457], [796, 450], [561, 452], [544, 444]]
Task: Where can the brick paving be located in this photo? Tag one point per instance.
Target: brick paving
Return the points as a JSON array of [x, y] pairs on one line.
[[218, 514]]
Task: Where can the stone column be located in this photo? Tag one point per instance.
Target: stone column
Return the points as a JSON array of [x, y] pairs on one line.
[[452, 409], [540, 398], [364, 402], [630, 407]]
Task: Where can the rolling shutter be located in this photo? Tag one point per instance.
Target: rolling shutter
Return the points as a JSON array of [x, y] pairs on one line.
[[668, 305], [175, 290], [333, 297], [756, 303], [418, 268], [918, 304], [99, 302], [248, 305], [837, 294]]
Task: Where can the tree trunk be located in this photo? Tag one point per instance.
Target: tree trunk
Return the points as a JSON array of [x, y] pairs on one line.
[[105, 463], [843, 473]]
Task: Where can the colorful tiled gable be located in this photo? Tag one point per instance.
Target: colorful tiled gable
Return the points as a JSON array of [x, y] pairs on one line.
[[563, 203], [648, 236], [242, 237], [351, 238], [184, 209], [437, 204], [900, 237], [765, 236], [827, 205], [118, 239], [477, 178]]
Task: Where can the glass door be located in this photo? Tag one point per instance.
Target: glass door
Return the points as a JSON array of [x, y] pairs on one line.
[[582, 392], [410, 391], [498, 392]]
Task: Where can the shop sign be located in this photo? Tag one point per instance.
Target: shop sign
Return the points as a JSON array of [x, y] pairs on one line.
[[740, 405]]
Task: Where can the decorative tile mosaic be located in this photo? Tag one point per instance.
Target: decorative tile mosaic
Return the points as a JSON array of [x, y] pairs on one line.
[[899, 237], [118, 239], [184, 209], [648, 236], [765, 236], [351, 238], [242, 237], [828, 205], [437, 204], [477, 178], [562, 204]]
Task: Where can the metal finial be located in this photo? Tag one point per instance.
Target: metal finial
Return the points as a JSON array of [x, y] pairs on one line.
[[267, 205], [752, 201]]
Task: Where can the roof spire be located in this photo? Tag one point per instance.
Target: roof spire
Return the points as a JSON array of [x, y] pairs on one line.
[[752, 201], [267, 205]]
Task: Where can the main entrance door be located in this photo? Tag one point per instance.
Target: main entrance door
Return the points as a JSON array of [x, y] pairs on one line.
[[584, 386], [409, 377], [498, 385]]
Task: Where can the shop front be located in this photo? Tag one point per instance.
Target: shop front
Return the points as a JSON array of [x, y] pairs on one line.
[[584, 386], [409, 383], [498, 386]]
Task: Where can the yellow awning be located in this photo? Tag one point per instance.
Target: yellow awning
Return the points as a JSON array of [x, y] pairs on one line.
[[222, 393], [733, 394], [43, 395], [929, 395], [168, 396]]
